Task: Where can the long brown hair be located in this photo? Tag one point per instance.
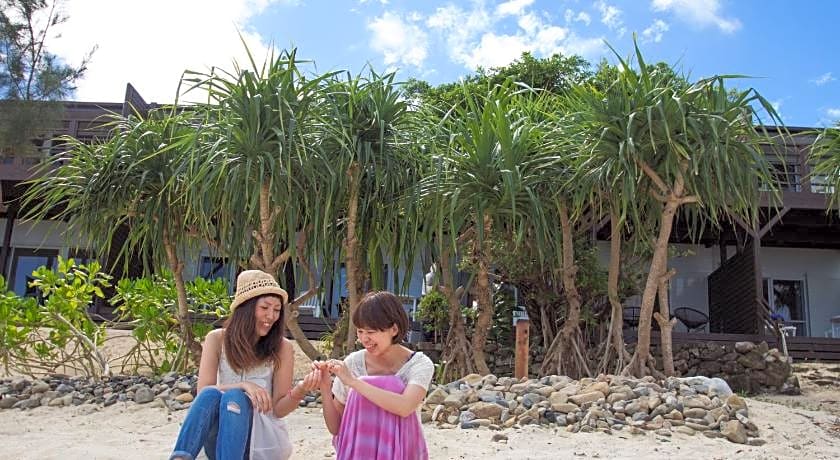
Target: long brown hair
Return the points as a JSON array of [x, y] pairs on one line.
[[241, 349]]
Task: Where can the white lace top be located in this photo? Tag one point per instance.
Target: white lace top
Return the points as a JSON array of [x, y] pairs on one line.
[[269, 435], [418, 370]]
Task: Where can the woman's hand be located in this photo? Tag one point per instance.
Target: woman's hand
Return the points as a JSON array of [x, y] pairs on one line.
[[259, 397], [325, 379], [339, 369], [310, 381]]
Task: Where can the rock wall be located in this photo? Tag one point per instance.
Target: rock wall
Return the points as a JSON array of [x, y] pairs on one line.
[[747, 367]]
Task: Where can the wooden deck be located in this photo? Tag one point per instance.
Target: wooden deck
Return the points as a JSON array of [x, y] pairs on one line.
[[799, 348]]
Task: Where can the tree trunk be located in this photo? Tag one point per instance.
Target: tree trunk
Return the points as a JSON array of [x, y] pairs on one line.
[[484, 295], [264, 259], [192, 349], [567, 350], [666, 326], [351, 257], [614, 353], [456, 350], [293, 312], [638, 364]]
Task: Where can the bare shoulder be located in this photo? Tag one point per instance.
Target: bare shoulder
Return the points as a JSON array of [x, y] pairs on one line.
[[287, 349], [215, 336]]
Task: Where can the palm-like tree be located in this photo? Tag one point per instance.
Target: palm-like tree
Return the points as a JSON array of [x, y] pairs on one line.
[[680, 145], [825, 157], [491, 169], [251, 176], [367, 166], [135, 179]]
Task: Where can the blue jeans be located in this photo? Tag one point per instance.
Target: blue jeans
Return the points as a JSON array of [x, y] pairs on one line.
[[220, 422]]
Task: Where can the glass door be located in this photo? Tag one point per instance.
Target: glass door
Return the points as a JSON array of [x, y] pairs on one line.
[[787, 299]]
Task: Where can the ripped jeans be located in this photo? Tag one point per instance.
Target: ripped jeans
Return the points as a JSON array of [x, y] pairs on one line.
[[220, 422]]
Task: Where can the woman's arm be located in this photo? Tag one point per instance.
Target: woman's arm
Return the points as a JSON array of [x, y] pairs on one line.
[[209, 368], [333, 409], [286, 401], [400, 404]]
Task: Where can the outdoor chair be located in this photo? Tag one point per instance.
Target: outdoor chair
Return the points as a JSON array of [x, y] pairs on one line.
[[693, 319]]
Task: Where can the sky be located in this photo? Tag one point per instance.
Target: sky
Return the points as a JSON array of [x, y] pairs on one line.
[[790, 50]]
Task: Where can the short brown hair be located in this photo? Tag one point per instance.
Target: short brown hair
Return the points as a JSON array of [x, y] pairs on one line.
[[380, 310]]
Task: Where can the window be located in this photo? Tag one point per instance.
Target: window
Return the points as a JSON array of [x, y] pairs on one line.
[[213, 268], [24, 262], [786, 298]]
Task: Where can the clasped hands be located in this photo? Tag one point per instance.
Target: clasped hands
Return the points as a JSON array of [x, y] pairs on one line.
[[261, 399], [324, 370]]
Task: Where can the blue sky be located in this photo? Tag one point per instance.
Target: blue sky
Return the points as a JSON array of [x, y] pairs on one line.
[[789, 48]]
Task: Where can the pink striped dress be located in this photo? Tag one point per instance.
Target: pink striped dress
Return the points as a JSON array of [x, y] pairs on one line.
[[371, 433]]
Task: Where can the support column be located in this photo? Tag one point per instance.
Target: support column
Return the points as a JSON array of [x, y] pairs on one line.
[[5, 253], [522, 348]]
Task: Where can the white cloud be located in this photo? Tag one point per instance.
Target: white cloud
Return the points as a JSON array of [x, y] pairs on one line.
[[460, 29], [151, 43], [399, 41], [496, 51], [581, 16], [823, 79], [513, 7], [610, 15], [833, 113], [471, 38], [655, 32], [699, 12]]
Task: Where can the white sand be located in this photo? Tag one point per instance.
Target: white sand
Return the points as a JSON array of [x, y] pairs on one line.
[[131, 431]]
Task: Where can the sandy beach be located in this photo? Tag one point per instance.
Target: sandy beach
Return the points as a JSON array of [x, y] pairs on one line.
[[805, 426], [132, 431]]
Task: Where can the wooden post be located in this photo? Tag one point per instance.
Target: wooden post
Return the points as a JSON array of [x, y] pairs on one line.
[[522, 352]]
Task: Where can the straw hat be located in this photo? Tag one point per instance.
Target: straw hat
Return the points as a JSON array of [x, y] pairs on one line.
[[254, 283]]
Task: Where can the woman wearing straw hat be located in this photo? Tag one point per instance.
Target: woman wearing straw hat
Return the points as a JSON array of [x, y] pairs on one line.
[[245, 380]]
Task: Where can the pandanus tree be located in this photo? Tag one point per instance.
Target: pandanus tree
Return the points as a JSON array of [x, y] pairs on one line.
[[135, 179], [366, 167], [490, 170], [825, 160], [251, 176], [682, 146]]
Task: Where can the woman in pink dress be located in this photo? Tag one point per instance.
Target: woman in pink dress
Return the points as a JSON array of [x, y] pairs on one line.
[[371, 405]]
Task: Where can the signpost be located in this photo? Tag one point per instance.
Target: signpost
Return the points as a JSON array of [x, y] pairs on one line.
[[522, 325]]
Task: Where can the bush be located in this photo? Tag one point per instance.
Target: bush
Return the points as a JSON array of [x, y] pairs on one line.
[[56, 333], [149, 306], [433, 311]]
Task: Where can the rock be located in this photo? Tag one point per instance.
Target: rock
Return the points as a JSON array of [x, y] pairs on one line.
[[39, 386], [584, 398], [184, 397], [486, 410], [437, 396], [565, 408], [756, 442], [698, 401], [734, 432], [499, 437], [744, 347], [466, 416], [686, 430], [456, 400], [8, 402], [472, 379], [601, 387], [143, 395], [695, 412], [736, 403]]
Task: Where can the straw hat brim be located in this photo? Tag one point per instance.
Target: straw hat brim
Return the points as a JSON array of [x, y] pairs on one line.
[[256, 292]]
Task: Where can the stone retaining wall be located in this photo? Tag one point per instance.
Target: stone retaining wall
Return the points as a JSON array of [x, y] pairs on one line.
[[747, 367]]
